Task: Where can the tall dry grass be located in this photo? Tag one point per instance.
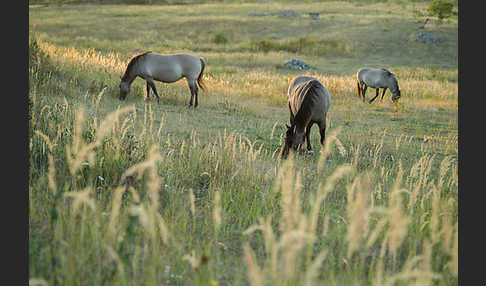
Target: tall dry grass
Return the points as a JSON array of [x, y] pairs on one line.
[[118, 196]]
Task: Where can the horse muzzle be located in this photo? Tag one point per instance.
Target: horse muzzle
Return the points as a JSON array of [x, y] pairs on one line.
[[395, 98]]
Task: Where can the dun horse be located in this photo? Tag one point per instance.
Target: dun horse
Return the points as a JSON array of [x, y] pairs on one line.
[[377, 78], [309, 102], [164, 68]]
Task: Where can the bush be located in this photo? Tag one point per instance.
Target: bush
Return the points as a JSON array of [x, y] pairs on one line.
[[303, 45], [440, 8], [220, 38], [36, 55]]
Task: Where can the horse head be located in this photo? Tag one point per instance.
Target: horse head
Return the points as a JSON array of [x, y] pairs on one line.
[[289, 141], [124, 89], [395, 90], [396, 95], [293, 139]]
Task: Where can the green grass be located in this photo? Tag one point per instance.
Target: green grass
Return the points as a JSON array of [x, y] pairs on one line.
[[136, 193]]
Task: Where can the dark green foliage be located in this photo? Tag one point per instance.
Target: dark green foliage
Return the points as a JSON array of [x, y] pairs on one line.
[[441, 9], [36, 56], [220, 38], [302, 45]]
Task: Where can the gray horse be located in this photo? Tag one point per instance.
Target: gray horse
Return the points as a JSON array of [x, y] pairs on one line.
[[377, 78], [164, 68], [309, 102]]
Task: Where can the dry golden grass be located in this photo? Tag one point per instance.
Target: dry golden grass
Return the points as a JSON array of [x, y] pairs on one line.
[[135, 193]]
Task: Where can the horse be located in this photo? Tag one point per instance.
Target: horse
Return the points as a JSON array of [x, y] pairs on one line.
[[152, 66], [377, 78], [308, 102]]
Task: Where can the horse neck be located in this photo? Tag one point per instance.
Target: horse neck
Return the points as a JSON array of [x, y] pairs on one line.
[[305, 112], [300, 126], [393, 85], [130, 75]]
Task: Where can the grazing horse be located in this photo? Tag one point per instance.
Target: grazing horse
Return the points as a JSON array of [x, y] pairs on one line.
[[377, 78], [165, 68], [309, 102]]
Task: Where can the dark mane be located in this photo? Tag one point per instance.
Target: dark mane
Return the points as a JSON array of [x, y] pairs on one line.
[[133, 61], [306, 106], [388, 73]]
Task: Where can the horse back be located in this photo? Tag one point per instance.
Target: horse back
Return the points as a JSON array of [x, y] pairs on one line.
[[191, 65], [308, 99], [170, 68], [376, 78], [297, 91]]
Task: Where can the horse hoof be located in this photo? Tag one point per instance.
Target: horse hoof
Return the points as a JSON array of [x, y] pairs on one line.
[[310, 152]]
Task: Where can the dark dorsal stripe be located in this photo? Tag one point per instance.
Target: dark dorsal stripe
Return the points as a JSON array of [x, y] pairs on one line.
[[308, 90]]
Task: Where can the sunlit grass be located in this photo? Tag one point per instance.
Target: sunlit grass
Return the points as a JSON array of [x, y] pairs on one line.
[[136, 193]]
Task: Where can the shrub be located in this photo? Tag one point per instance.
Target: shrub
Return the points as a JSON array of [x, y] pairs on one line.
[[220, 38], [440, 8], [304, 45], [36, 54]]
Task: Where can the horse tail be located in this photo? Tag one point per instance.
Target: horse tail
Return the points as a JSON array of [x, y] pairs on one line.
[[358, 90], [200, 79]]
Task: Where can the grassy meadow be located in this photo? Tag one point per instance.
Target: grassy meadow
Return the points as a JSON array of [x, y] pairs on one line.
[[138, 193]]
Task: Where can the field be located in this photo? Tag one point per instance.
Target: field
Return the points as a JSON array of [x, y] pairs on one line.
[[138, 193]]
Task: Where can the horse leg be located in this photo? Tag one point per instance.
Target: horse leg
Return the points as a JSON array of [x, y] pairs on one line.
[[196, 92], [377, 93], [364, 91], [307, 137], [152, 85], [148, 90], [192, 89], [383, 94], [322, 130]]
